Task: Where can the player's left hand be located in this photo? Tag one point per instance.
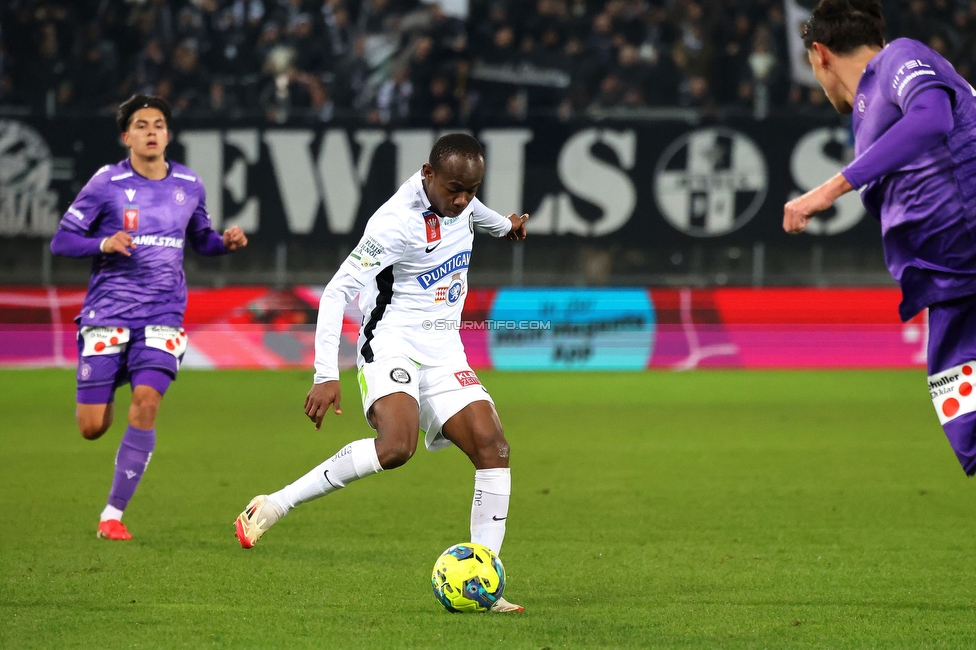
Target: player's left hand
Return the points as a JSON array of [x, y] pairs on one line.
[[234, 238], [518, 227]]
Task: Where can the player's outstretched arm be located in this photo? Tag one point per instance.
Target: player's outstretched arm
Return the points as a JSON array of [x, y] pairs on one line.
[[381, 246], [319, 398], [80, 221], [487, 220], [205, 240], [325, 388], [926, 121], [798, 212], [72, 244]]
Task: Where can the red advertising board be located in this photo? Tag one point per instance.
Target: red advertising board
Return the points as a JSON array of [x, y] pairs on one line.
[[259, 327]]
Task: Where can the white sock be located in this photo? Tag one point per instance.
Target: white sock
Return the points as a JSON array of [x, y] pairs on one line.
[[352, 462], [110, 512], [489, 509]]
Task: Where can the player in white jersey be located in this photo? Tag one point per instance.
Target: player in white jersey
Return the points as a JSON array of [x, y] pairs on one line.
[[410, 272]]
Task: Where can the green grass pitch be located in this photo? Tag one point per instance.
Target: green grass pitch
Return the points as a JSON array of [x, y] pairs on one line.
[[714, 509]]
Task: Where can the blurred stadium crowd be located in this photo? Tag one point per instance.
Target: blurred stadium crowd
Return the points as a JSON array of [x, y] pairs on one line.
[[408, 61]]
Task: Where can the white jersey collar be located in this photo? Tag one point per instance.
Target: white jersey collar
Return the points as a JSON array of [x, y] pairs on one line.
[[417, 184]]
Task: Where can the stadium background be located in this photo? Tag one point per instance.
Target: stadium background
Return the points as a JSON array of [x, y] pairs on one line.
[[654, 144]]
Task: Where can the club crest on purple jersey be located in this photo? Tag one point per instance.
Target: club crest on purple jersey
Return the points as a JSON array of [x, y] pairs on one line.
[[130, 218], [179, 195], [860, 104]]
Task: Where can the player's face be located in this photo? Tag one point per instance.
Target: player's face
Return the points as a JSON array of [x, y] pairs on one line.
[[828, 79], [451, 188], [147, 135]]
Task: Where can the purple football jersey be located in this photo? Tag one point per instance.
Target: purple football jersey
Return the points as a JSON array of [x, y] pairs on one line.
[[148, 288], [927, 208]]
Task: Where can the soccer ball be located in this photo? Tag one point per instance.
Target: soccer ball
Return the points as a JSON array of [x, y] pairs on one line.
[[468, 578]]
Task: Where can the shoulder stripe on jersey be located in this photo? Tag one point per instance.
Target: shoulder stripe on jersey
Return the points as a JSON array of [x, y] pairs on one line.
[[185, 177], [121, 176], [75, 211], [384, 283], [102, 169]]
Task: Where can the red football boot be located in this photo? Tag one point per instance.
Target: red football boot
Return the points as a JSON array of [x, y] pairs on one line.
[[113, 529]]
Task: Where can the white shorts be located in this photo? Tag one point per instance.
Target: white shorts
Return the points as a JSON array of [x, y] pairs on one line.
[[441, 391]]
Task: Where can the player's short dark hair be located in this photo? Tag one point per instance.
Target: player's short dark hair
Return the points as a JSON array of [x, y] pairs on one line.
[[845, 25], [455, 144], [134, 103]]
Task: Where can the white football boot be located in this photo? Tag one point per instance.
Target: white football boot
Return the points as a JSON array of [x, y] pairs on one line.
[[259, 515], [503, 606]]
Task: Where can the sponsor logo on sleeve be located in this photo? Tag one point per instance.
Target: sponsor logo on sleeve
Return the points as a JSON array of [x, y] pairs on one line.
[[130, 218], [909, 71], [467, 378], [367, 253], [430, 277]]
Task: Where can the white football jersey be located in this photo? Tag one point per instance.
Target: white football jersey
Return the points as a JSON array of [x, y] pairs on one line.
[[410, 270]]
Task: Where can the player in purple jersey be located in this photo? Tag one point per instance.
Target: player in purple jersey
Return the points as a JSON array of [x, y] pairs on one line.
[[914, 122], [133, 218]]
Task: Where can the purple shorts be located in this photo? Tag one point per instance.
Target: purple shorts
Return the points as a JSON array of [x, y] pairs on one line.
[[137, 364], [952, 347]]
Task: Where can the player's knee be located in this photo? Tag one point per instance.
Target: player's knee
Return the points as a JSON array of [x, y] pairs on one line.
[[493, 448], [146, 410], [392, 452], [143, 409], [396, 455], [93, 429]]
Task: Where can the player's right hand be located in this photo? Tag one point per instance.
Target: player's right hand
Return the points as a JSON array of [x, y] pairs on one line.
[[798, 212], [120, 242], [318, 400]]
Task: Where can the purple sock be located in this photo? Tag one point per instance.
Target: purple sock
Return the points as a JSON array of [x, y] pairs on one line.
[[135, 450]]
